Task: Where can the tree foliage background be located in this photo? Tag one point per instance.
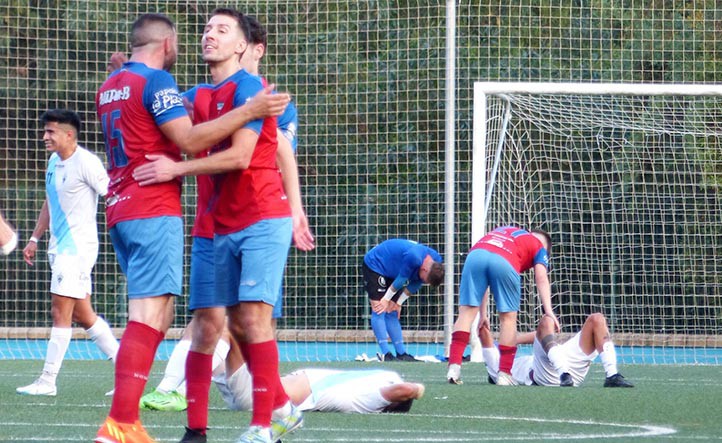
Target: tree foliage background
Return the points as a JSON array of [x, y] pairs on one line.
[[368, 79]]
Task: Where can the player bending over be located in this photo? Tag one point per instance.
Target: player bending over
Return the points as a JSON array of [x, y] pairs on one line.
[[577, 353]]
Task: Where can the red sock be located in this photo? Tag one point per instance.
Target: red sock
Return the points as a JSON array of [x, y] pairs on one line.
[[199, 370], [263, 366], [506, 359], [281, 398], [459, 340], [132, 366]]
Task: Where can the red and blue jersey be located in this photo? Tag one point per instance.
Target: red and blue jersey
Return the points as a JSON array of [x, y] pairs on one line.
[[131, 104], [518, 246], [401, 260], [201, 96], [241, 198]]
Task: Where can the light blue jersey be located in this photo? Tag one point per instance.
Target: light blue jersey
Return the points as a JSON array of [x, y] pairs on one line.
[[72, 188]]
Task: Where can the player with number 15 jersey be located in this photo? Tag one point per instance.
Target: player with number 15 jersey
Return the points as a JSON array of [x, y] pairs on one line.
[[132, 103]]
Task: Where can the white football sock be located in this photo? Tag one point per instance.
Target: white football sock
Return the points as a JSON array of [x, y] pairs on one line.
[[175, 370], [491, 358], [609, 358], [283, 411], [57, 346], [103, 337]]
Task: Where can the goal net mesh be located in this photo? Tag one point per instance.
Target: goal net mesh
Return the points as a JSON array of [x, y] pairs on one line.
[[629, 187]]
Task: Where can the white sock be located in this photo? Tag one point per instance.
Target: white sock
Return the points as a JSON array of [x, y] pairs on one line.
[[175, 370], [609, 358], [220, 353], [283, 411], [57, 346], [491, 358], [556, 356], [103, 337]]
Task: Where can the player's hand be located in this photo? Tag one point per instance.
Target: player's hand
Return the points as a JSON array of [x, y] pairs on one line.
[[557, 327], [116, 61], [189, 107], [268, 104], [159, 169], [484, 324], [302, 237], [394, 307], [379, 306], [29, 252]]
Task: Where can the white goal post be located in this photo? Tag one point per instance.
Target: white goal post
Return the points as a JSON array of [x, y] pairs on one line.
[[628, 180]]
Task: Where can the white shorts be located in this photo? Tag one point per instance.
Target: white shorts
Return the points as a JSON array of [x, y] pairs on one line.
[[577, 361], [236, 390], [71, 275]]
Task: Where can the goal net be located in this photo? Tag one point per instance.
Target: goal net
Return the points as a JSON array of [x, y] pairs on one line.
[[628, 181]]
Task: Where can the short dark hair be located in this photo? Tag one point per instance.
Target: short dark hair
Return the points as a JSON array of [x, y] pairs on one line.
[[140, 38], [436, 274], [400, 407], [546, 235], [65, 116], [254, 30], [235, 14]]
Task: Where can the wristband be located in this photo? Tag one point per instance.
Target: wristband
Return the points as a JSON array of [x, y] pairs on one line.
[[33, 239], [402, 298], [389, 293]]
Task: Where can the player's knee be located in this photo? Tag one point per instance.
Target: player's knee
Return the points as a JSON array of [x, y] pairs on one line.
[[546, 325], [597, 319]]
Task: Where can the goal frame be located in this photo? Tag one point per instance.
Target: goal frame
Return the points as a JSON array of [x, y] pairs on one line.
[[482, 190], [481, 196]]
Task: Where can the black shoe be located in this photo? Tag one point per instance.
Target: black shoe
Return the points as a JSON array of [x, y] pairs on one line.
[[385, 357], [405, 357], [617, 381], [565, 380], [490, 380], [193, 436]]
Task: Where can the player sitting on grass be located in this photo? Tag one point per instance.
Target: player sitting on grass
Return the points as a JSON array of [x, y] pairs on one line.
[[577, 354]]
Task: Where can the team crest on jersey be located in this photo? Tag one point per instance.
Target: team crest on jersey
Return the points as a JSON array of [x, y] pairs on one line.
[[219, 106], [382, 281]]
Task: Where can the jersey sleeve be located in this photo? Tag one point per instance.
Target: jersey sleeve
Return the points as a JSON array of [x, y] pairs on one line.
[[542, 258], [162, 99], [245, 91], [95, 175], [409, 266], [288, 123]]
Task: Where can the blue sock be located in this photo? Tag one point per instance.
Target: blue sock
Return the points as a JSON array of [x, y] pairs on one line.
[[393, 325], [379, 327]]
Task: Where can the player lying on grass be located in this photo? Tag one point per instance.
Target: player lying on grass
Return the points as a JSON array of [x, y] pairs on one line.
[[574, 356], [314, 389], [362, 391]]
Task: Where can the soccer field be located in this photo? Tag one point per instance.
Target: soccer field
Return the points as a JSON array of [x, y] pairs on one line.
[[669, 403]]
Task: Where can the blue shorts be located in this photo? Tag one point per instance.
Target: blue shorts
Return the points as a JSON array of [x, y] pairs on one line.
[[203, 280], [150, 254], [250, 263], [484, 269]]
